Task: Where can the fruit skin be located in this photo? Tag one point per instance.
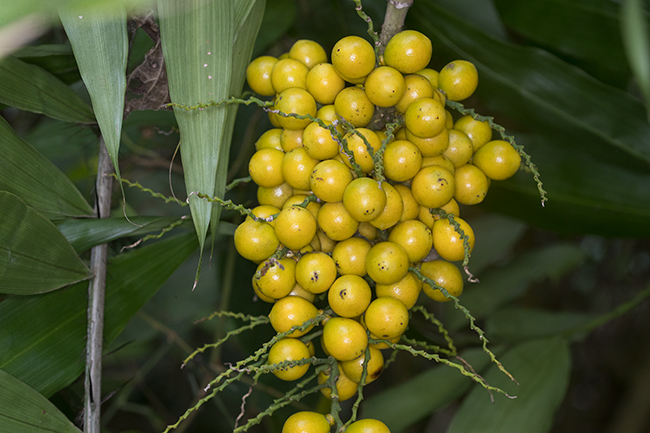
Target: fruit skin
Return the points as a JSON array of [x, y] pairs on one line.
[[349, 296], [385, 86], [353, 57], [392, 212], [458, 79], [344, 339], [497, 159], [415, 237], [255, 240], [350, 256], [402, 160], [460, 150], [324, 83], [258, 75], [288, 73], [295, 227], [329, 179], [359, 149], [479, 132], [306, 422], [315, 272], [444, 274], [386, 318], [308, 52], [289, 349], [433, 186], [406, 290], [353, 105], [408, 51], [336, 222], [278, 280], [471, 185], [448, 242], [354, 369], [292, 311], [367, 425], [297, 101], [425, 117], [265, 167], [364, 199], [345, 387], [387, 262]]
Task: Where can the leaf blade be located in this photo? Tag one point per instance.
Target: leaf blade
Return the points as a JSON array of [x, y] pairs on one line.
[[31, 88], [24, 410], [42, 337], [35, 257], [32, 177]]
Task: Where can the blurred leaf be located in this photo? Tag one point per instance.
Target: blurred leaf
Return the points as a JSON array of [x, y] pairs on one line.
[[575, 114], [499, 286], [589, 32], [24, 410], [58, 60], [483, 15], [42, 337], [35, 258], [100, 44], [497, 235], [405, 404], [516, 324], [248, 17], [86, 233], [586, 195], [636, 40], [31, 88], [278, 18], [544, 93], [29, 175], [542, 369]]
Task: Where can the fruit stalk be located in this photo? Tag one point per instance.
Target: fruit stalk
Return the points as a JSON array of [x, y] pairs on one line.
[[396, 11]]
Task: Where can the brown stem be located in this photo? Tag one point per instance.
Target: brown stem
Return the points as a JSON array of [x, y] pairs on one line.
[[96, 291], [396, 11]]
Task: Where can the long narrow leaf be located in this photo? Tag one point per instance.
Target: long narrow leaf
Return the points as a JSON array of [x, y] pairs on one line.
[[34, 255], [42, 337], [542, 369], [32, 177], [24, 410], [197, 40], [248, 18], [636, 40], [31, 88], [100, 44]]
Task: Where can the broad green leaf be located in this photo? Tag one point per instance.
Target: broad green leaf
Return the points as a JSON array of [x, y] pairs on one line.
[[86, 233], [542, 369], [58, 60], [101, 47], [636, 40], [586, 127], [483, 15], [585, 195], [279, 15], [32, 177], [498, 286], [516, 324], [42, 337], [248, 18], [197, 39], [496, 237], [24, 410], [586, 31], [405, 404], [544, 93], [31, 88], [34, 255]]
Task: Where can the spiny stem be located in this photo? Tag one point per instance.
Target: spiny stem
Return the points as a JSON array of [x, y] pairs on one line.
[[510, 139], [236, 182], [371, 31], [167, 229], [153, 193]]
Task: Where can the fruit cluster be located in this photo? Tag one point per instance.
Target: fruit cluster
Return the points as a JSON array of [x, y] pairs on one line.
[[359, 186]]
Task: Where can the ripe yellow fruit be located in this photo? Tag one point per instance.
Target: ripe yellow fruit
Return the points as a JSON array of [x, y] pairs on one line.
[[408, 51], [458, 79], [353, 57], [344, 339], [448, 242], [386, 318], [292, 311], [387, 262], [289, 349], [255, 240], [444, 274]]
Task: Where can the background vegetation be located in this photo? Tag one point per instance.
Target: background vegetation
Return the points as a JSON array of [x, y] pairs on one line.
[[562, 287]]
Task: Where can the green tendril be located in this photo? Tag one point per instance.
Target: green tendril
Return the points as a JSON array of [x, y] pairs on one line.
[[371, 31], [151, 192], [236, 182], [466, 247]]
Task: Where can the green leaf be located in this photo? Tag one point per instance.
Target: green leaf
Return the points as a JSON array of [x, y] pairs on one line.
[[499, 286], [517, 324], [279, 15], [42, 337], [86, 233], [405, 404], [542, 369], [636, 40], [24, 410], [248, 18], [32, 177], [35, 257], [101, 47], [544, 93], [586, 195], [31, 88], [58, 60], [586, 31]]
